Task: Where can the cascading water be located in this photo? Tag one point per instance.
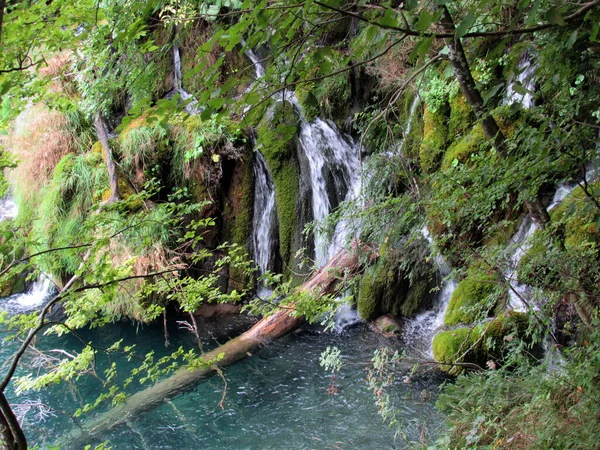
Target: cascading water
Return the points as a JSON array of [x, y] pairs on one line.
[[8, 209], [526, 80], [40, 291], [419, 331], [333, 161], [409, 123], [36, 296], [334, 173], [518, 246], [191, 106], [264, 220]]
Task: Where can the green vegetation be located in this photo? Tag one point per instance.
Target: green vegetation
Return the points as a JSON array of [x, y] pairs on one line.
[[477, 159], [276, 140], [488, 341]]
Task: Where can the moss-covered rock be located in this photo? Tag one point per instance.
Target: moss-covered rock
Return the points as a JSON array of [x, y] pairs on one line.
[[276, 139], [578, 216], [461, 149], [461, 116], [435, 137], [330, 97], [473, 298], [479, 344], [399, 284], [239, 202], [387, 325]]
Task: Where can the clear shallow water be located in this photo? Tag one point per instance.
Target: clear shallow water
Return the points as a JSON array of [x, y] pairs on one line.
[[278, 398]]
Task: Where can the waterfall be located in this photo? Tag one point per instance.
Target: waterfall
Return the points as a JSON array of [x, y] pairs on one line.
[[8, 208], [418, 332], [259, 69], [526, 80], [334, 173], [191, 104], [40, 291], [265, 220], [344, 317], [333, 161], [518, 246], [409, 123], [36, 296]]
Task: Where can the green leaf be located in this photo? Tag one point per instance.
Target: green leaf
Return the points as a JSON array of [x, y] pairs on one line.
[[420, 49], [389, 19], [425, 20], [571, 40], [464, 25]]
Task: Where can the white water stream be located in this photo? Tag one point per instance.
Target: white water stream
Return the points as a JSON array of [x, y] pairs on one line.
[[191, 105], [39, 291], [264, 222], [525, 78], [334, 166]]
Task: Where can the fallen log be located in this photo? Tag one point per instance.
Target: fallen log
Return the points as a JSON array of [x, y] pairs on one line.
[[283, 321]]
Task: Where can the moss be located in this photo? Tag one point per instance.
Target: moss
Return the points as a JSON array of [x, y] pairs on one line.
[[418, 293], [474, 296], [243, 199], [435, 136], [277, 141], [399, 284], [479, 344], [412, 141], [369, 294], [461, 149], [308, 101], [578, 216], [461, 116]]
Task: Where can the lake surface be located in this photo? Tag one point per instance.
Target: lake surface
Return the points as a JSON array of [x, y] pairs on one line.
[[278, 398]]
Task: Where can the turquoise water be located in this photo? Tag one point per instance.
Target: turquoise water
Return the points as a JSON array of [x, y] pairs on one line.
[[277, 398]]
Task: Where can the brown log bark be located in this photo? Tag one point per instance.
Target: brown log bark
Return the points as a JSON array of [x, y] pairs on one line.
[[102, 132], [344, 263]]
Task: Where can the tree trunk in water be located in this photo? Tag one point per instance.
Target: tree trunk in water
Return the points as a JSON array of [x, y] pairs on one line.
[[12, 434], [282, 322], [102, 132]]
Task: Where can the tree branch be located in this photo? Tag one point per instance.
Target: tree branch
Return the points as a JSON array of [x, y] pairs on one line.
[[499, 33]]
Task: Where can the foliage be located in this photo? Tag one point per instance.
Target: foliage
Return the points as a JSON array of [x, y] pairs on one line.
[[478, 345], [507, 408]]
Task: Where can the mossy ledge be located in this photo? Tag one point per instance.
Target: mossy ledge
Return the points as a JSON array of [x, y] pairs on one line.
[[475, 346]]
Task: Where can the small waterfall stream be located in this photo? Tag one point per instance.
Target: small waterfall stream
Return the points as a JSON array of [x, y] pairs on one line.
[[419, 331], [39, 291], [33, 299], [335, 176], [191, 106], [264, 222], [526, 80]]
